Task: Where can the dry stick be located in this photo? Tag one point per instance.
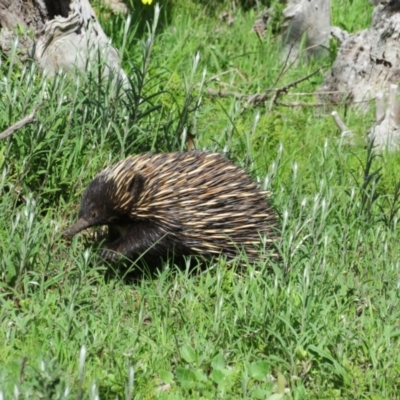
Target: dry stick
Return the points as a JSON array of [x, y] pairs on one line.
[[347, 134], [20, 124], [258, 97], [238, 95], [304, 104], [299, 104], [261, 97], [285, 88], [321, 92], [285, 66], [339, 123], [217, 76], [225, 93]]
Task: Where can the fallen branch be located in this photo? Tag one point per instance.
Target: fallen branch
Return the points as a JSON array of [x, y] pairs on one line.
[[299, 104], [217, 76], [257, 98], [20, 124], [225, 93], [318, 104], [285, 88]]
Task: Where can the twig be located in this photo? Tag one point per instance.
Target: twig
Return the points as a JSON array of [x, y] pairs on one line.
[[339, 123], [299, 104], [285, 88], [217, 76], [20, 124], [318, 93], [258, 98], [285, 66], [319, 104], [347, 134], [225, 93]]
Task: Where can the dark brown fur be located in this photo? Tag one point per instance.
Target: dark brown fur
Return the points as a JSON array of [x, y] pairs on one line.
[[186, 203]]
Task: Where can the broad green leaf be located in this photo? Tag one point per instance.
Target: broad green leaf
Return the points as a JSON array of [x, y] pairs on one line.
[[281, 383], [201, 376], [188, 354], [167, 376], [185, 376], [259, 370], [259, 393], [275, 396], [218, 362], [218, 377]]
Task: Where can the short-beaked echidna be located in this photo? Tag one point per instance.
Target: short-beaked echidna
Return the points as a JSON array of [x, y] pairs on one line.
[[184, 202]]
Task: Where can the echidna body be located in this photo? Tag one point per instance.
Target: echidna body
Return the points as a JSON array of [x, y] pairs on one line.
[[185, 203]]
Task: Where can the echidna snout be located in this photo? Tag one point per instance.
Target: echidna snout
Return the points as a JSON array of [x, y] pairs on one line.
[[79, 226], [184, 202]]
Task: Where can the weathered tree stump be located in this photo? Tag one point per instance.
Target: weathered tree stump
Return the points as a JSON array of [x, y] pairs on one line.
[[368, 62], [62, 34], [307, 22]]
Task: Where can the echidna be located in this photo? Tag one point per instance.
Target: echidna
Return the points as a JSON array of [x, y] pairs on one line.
[[184, 202]]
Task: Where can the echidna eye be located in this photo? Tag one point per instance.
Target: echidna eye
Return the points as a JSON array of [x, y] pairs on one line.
[[94, 214]]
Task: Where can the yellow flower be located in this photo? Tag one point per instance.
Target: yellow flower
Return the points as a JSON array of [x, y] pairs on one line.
[[147, 1]]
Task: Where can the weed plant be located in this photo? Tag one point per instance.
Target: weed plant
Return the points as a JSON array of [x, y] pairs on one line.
[[322, 322]]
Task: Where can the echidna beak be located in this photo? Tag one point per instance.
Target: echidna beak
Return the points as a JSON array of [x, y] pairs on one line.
[[79, 225]]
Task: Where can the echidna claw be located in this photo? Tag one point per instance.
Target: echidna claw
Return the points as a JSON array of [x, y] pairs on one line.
[[109, 255]]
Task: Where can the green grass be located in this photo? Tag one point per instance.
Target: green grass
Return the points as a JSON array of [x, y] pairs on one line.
[[322, 322]]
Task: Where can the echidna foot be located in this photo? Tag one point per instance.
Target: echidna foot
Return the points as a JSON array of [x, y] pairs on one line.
[[110, 254]]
